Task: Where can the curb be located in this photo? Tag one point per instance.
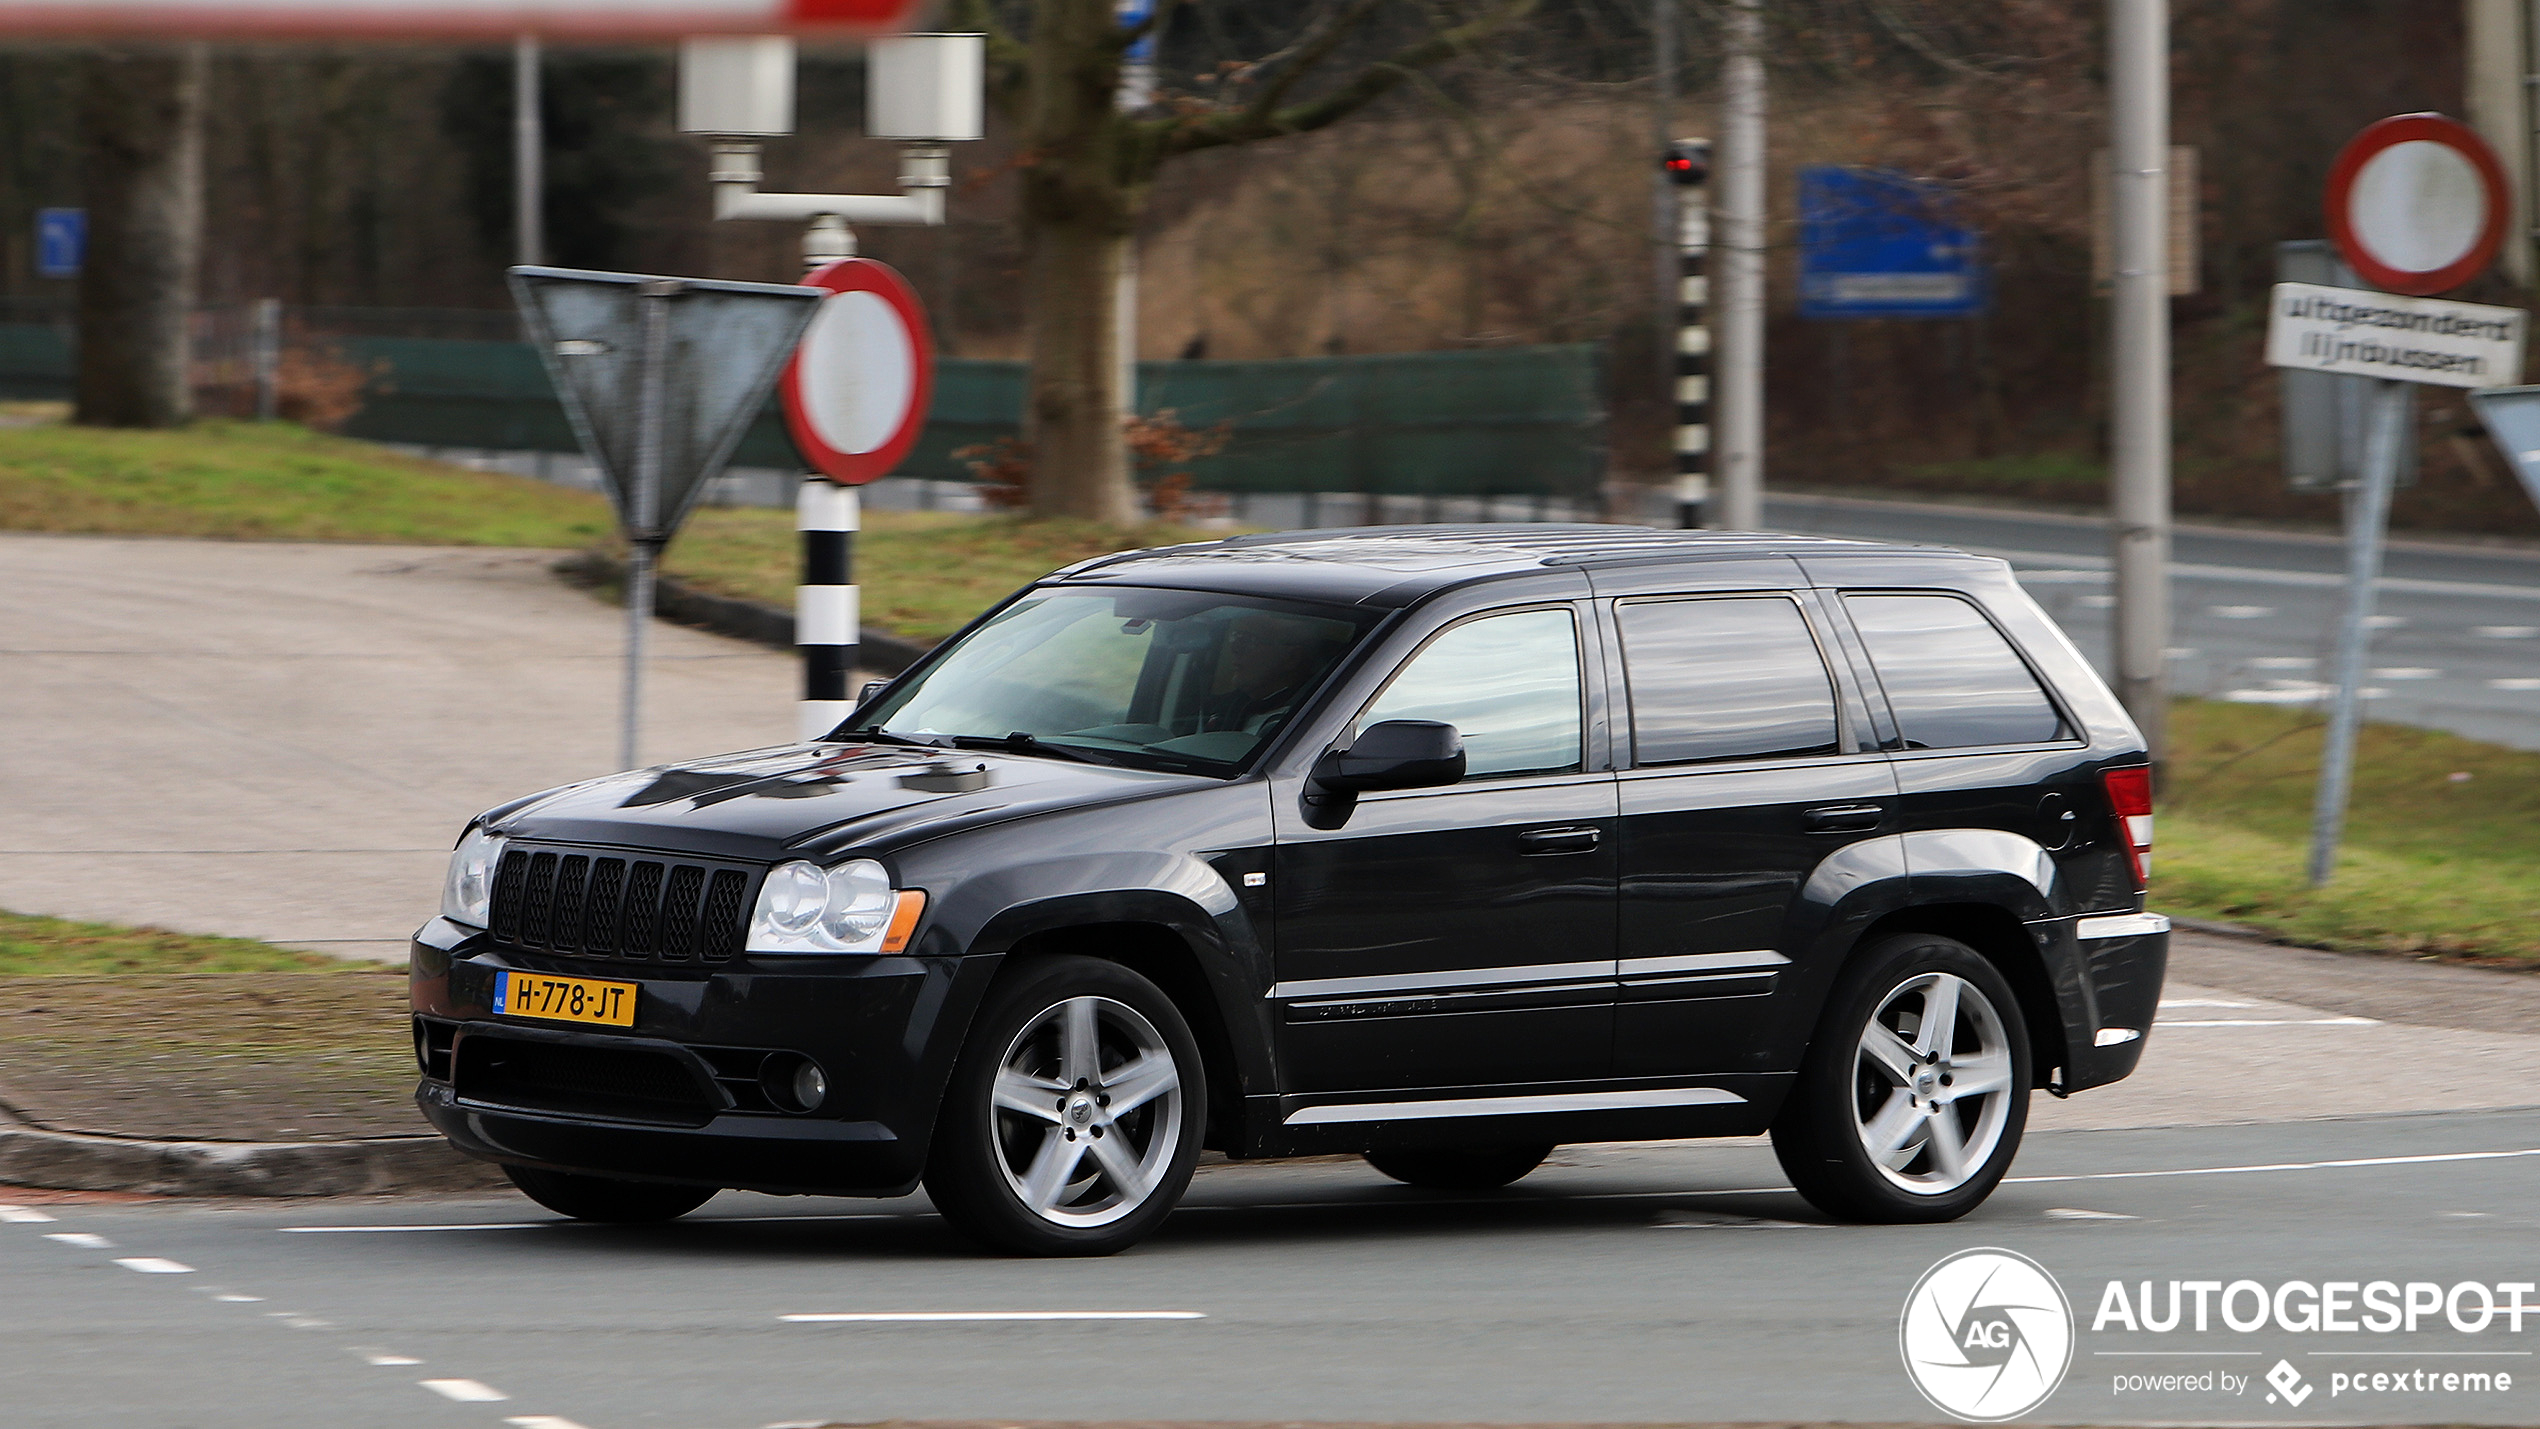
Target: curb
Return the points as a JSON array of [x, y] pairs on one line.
[[741, 619], [71, 1161]]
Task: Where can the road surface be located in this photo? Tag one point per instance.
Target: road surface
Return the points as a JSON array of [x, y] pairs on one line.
[[2267, 1140]]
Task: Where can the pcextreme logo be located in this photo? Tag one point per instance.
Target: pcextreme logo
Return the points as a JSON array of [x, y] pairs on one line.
[[1986, 1335]]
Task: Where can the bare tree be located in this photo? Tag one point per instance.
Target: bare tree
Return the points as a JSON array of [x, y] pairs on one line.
[[141, 115], [1087, 168]]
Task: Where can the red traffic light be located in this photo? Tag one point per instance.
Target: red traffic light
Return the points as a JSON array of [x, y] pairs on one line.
[[1687, 161]]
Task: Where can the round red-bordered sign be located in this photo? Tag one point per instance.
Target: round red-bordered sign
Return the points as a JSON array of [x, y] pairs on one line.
[[2417, 204], [856, 389]]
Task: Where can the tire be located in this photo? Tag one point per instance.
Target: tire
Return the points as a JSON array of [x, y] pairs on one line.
[[1074, 1115], [605, 1198], [1480, 1168], [1887, 1126]]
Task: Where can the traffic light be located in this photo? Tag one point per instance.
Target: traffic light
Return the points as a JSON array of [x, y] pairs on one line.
[[1687, 161]]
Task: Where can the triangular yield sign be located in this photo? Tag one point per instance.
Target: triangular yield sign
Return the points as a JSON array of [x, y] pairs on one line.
[[724, 346]]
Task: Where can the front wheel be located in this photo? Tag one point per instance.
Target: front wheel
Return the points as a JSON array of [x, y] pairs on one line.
[[1910, 1104], [1074, 1116], [605, 1198]]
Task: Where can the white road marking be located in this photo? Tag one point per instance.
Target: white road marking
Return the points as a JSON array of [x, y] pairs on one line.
[[2166, 1023], [20, 1215], [2181, 652], [483, 1226], [386, 1358], [936, 1316], [2516, 682], [240, 1299], [2240, 612], [2505, 632], [2282, 662], [689, 1224], [82, 1239], [465, 1391], [2347, 1164], [153, 1265], [540, 1421], [2070, 1213], [2384, 622], [2407, 672], [2296, 692]]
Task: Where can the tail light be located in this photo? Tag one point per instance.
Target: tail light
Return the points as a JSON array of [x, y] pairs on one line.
[[2130, 796]]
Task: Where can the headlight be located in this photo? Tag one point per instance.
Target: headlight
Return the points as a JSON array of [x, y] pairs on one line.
[[468, 892], [804, 908]]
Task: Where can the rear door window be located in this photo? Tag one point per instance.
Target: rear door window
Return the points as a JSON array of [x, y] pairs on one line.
[[1718, 679], [1950, 676]]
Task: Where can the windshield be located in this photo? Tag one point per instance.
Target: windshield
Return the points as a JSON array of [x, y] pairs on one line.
[[1165, 679]]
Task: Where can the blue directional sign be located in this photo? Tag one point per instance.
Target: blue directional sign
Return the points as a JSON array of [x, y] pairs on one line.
[[61, 241], [1874, 243]]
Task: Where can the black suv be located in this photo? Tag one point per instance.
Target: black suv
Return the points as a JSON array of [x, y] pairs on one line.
[[1444, 845]]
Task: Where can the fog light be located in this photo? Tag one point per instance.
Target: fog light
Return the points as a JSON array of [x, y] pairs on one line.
[[795, 1083], [811, 1085]]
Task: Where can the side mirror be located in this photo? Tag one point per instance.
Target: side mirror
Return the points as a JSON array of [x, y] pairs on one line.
[[871, 688], [1397, 754]]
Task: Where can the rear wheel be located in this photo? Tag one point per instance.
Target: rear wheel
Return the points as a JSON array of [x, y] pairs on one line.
[[1482, 1168], [1912, 1099], [1074, 1116], [605, 1198]]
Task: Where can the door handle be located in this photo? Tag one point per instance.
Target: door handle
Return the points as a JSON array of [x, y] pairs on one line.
[[1578, 840], [1844, 818]]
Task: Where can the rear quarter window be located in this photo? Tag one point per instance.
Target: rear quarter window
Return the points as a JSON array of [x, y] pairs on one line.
[[1952, 679]]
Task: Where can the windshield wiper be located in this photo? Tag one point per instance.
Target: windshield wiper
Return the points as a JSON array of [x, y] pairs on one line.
[[884, 736], [1022, 742]]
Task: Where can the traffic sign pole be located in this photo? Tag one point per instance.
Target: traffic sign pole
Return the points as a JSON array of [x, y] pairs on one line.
[[2367, 519], [644, 537]]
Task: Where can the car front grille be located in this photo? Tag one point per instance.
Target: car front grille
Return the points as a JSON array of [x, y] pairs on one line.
[[612, 906]]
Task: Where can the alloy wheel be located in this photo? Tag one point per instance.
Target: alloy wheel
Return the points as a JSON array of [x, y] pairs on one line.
[[1932, 1083], [1088, 1112]]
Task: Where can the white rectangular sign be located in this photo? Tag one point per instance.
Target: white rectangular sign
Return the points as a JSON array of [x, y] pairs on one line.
[[2361, 333]]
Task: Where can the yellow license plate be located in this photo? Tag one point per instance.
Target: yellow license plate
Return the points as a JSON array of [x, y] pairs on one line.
[[564, 999]]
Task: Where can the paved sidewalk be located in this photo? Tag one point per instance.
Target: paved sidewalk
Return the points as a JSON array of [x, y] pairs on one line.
[[281, 741]]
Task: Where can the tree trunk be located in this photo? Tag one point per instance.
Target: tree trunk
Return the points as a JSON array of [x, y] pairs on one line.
[[1078, 209], [1080, 464], [141, 113]]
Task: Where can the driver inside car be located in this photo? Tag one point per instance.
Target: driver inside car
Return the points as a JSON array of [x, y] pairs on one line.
[[1264, 669]]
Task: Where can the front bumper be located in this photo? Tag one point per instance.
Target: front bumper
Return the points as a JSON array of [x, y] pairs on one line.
[[885, 1030]]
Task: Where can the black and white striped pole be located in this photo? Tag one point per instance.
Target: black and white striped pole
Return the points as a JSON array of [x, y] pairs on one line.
[[825, 604], [1688, 164]]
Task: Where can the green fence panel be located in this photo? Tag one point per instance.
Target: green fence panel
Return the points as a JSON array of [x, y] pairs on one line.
[[1508, 421]]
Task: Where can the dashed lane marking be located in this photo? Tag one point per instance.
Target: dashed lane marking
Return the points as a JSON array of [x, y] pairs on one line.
[[2240, 612], [384, 1358], [82, 1239], [20, 1215], [240, 1299], [2074, 1213], [2406, 672], [465, 1391], [153, 1265], [2505, 632], [2514, 682], [2166, 1023], [870, 1317]]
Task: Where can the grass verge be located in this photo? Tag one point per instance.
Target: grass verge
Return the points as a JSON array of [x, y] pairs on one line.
[[924, 573], [2439, 856], [54, 947]]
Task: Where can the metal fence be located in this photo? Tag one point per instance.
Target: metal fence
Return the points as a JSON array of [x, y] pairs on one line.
[[1515, 422]]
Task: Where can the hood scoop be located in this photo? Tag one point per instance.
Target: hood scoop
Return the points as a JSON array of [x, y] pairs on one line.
[[948, 776]]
